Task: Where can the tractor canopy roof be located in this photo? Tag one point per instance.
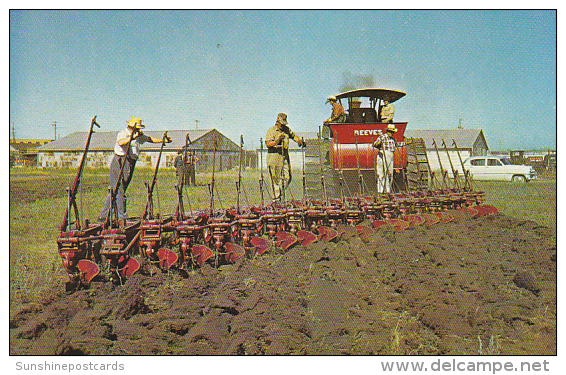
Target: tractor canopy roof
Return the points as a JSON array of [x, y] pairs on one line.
[[373, 93]]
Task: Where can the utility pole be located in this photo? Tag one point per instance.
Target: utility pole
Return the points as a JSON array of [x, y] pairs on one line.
[[196, 121], [460, 124], [55, 125], [13, 133]]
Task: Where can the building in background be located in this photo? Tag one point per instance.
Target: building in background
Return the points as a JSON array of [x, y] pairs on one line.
[[23, 152], [67, 152], [460, 144]]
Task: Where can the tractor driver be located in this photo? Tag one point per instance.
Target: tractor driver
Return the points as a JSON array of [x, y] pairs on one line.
[[338, 114], [387, 111], [277, 142]]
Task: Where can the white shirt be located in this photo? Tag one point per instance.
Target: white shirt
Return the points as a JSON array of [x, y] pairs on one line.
[[135, 149]]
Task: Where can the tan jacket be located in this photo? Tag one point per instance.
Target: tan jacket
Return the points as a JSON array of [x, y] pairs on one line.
[[276, 155]]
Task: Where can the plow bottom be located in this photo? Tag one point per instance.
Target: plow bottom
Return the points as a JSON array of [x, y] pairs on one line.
[[327, 233], [285, 240], [234, 252], [201, 254], [167, 258], [88, 270], [261, 245], [306, 238]]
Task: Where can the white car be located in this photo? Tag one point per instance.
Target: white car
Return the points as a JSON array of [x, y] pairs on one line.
[[498, 168]]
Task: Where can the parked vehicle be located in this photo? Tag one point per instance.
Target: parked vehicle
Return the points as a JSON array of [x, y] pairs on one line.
[[550, 162], [498, 168]]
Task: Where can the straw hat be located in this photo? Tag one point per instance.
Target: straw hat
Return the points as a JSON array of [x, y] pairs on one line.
[[391, 128], [135, 122]]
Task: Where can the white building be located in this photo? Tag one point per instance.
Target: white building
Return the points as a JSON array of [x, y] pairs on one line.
[[445, 146], [67, 152]]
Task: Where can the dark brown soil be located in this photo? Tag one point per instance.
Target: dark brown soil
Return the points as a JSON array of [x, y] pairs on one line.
[[476, 286], [21, 190], [30, 189]]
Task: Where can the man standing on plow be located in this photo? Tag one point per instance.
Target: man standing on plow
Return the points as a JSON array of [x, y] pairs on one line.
[[278, 164], [129, 161], [386, 145]]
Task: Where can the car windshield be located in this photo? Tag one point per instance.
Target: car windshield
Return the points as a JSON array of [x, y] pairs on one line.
[[505, 161]]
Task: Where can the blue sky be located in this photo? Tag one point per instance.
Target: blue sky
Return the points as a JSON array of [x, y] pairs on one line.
[[235, 70]]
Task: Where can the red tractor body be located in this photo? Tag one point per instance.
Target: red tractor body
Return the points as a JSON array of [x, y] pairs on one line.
[[352, 145], [352, 140]]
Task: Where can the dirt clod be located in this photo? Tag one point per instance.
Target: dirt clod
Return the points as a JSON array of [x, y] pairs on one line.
[[527, 281]]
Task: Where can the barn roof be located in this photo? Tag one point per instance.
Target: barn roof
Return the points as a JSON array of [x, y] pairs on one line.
[[464, 138], [103, 141]]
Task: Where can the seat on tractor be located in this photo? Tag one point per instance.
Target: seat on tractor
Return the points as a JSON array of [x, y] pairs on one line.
[[370, 116], [362, 115]]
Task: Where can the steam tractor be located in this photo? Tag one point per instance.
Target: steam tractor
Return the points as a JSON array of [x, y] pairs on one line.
[[343, 157]]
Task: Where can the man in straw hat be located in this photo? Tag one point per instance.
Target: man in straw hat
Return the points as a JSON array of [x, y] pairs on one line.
[[386, 145], [277, 142], [132, 134]]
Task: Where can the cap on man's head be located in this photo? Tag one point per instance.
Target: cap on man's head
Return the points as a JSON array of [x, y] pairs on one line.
[[282, 119], [135, 122]]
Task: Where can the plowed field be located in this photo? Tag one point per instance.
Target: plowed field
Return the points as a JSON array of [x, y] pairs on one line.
[[482, 285]]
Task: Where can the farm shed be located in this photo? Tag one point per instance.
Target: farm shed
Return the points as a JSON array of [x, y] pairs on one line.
[[25, 151], [67, 152], [470, 142]]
